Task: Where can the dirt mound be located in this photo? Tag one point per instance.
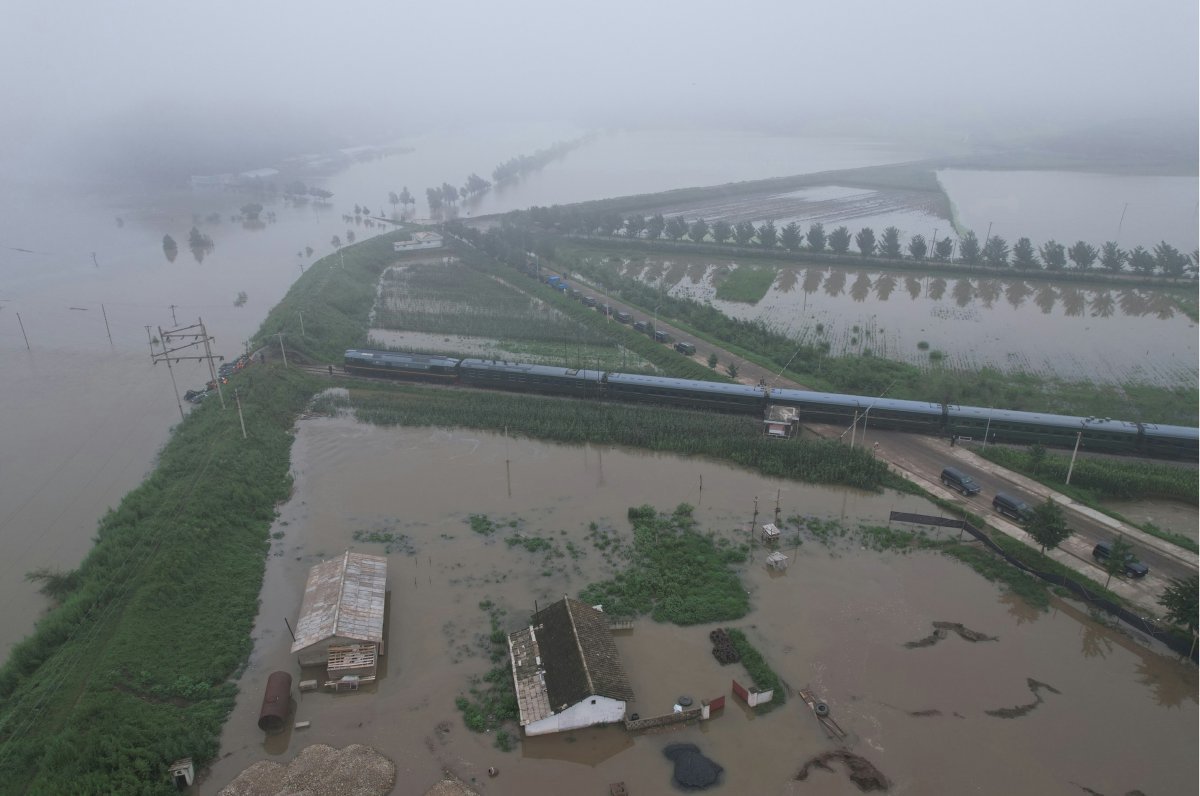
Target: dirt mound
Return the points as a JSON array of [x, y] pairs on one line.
[[942, 629], [693, 770], [860, 770], [319, 769]]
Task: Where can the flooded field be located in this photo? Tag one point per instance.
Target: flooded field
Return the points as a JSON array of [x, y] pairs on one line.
[[931, 718], [1071, 206], [1101, 333]]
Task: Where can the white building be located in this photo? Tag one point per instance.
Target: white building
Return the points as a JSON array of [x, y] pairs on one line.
[[420, 240], [341, 618], [566, 670]]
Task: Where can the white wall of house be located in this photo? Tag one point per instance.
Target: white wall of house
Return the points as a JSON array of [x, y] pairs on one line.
[[585, 713]]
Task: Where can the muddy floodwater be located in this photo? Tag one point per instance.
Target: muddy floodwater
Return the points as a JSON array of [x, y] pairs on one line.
[[1088, 707], [1076, 331]]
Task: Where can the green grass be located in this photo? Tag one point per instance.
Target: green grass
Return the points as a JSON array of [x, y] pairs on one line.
[[746, 283], [676, 574], [490, 704]]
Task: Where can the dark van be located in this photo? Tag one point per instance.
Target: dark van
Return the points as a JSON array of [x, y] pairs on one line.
[[1133, 567], [640, 326], [661, 336], [1011, 507], [623, 317], [589, 301], [685, 348], [956, 479]]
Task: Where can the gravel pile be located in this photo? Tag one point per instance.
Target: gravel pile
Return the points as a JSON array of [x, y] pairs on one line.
[[319, 770]]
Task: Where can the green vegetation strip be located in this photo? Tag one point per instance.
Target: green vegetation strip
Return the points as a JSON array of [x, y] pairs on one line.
[[764, 676], [676, 574], [1094, 480], [490, 704], [134, 667], [735, 439], [746, 283]]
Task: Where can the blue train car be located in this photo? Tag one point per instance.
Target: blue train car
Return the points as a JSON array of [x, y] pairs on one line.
[[1007, 425], [392, 364], [825, 407], [686, 392], [521, 376], [1173, 442]]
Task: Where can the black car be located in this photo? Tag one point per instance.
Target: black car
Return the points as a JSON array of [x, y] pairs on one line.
[[1133, 567], [1011, 507], [957, 479]]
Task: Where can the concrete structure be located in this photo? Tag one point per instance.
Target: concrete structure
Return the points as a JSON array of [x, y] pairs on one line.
[[566, 670], [341, 618], [781, 421], [420, 240]]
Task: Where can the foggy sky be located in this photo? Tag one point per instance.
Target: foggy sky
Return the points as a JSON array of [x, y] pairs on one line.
[[78, 68]]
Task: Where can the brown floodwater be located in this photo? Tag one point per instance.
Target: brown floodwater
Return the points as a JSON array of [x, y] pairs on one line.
[[1120, 715]]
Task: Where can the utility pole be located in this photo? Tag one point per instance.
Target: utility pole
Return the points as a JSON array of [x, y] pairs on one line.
[[105, 314], [22, 325], [241, 419], [168, 353], [282, 350], [301, 314], [172, 308], [1071, 469], [208, 353], [162, 338]]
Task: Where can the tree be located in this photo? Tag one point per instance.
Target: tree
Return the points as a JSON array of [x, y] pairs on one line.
[[676, 227], [252, 210], [449, 193], [434, 197], [995, 252], [349, 236], [357, 210], [722, 231], [889, 244], [1054, 255], [1119, 552], [1024, 256], [839, 240], [337, 242], [917, 247], [655, 226], [170, 248], [1113, 257], [767, 235], [308, 251], [634, 225], [943, 249], [1048, 526], [1179, 598], [321, 194], [789, 237], [394, 198], [1141, 261], [698, 231], [816, 237], [712, 361], [865, 241], [743, 232], [732, 370], [1082, 254], [406, 198], [968, 248], [608, 223], [1170, 260]]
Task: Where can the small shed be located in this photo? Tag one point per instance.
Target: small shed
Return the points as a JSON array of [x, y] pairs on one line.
[[777, 561], [341, 618], [770, 534]]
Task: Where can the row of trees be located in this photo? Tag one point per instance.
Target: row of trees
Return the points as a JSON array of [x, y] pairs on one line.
[[449, 195], [523, 164], [994, 252]]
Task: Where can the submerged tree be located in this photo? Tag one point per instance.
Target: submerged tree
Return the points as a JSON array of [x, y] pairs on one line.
[[170, 248]]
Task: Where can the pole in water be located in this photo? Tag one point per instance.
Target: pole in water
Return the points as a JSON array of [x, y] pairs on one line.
[[22, 324], [105, 314], [289, 627], [94, 262]]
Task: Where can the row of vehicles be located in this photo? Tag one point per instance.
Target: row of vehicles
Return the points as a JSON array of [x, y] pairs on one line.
[[620, 316], [1021, 512], [1006, 426]]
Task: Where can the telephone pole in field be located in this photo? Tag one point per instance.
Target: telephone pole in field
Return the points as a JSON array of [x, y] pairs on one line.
[[175, 342]]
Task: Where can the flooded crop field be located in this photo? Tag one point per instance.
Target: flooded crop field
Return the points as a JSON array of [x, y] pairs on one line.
[[1082, 706], [1101, 333]]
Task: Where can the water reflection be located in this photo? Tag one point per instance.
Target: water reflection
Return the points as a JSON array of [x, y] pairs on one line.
[[885, 285], [937, 288], [963, 292], [1016, 292], [913, 286], [861, 287], [1103, 304], [786, 282], [1019, 608], [812, 279], [1045, 297], [1073, 301], [835, 283]]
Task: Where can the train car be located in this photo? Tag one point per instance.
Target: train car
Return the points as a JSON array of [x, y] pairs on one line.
[[1006, 425], [523, 377], [392, 364], [1170, 442], [891, 413], [686, 392]]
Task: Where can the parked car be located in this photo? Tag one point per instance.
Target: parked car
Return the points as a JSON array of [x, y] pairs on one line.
[[623, 317], [1133, 567], [661, 336], [685, 348], [640, 326], [1011, 507], [956, 479], [589, 301]]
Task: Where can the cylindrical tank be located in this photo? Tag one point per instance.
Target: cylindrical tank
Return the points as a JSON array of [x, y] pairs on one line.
[[276, 702]]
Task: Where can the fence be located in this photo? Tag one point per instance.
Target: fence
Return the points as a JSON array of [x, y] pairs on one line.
[[1150, 627]]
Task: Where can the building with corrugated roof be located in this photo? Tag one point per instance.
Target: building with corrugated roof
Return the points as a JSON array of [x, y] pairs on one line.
[[566, 670], [341, 617]]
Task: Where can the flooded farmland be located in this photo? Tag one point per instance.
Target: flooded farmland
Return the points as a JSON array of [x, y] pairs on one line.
[[1076, 331], [932, 718]]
